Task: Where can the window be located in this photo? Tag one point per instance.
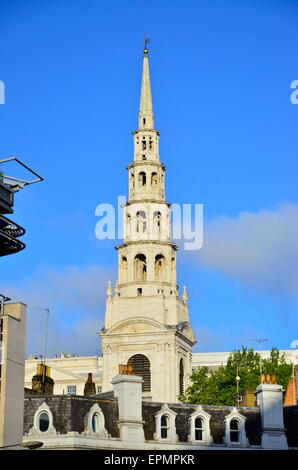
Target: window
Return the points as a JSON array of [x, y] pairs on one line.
[[157, 223], [144, 157], [164, 426], [234, 431], [140, 268], [99, 389], [142, 179], [144, 121], [71, 389], [141, 221], [154, 179], [141, 367], [43, 421], [143, 144], [95, 422], [159, 266], [199, 428], [181, 377], [139, 290], [123, 269]]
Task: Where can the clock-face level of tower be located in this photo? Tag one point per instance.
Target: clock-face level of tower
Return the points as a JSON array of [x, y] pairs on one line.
[[146, 322]]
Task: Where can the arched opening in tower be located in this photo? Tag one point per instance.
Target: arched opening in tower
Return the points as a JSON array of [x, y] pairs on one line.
[[160, 268], [142, 179], [140, 268], [154, 180], [141, 367], [140, 221], [123, 269], [157, 224]]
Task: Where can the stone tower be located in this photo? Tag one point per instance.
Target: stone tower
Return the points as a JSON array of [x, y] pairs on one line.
[[146, 322]]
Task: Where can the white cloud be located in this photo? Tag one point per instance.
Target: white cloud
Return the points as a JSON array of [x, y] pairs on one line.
[[259, 249], [75, 298]]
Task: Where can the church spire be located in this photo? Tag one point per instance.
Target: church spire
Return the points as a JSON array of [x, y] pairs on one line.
[[146, 110]]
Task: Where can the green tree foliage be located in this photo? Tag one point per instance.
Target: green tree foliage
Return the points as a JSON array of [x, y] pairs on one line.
[[219, 387]]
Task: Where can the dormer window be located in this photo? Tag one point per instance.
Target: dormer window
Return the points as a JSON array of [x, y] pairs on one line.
[[235, 434], [165, 426], [199, 427]]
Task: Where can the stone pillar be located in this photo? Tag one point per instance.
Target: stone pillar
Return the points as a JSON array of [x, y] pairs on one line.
[[128, 391], [12, 375], [270, 401]]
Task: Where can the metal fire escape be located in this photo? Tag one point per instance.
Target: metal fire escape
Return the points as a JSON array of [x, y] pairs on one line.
[[10, 231]]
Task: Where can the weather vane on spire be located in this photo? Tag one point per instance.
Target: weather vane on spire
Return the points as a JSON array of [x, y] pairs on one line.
[[146, 41]]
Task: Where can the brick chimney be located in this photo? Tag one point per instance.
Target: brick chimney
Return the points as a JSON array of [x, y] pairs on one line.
[[42, 383], [89, 388], [291, 392]]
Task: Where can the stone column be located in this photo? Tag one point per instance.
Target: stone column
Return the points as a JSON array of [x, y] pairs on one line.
[[269, 399], [12, 375], [128, 391]]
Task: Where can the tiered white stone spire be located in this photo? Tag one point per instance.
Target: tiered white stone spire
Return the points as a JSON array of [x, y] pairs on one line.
[[146, 322]]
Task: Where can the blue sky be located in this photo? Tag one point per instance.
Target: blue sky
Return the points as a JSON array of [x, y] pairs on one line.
[[221, 75]]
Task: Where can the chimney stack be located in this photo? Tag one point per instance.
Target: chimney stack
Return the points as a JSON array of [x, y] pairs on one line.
[[89, 388], [42, 383]]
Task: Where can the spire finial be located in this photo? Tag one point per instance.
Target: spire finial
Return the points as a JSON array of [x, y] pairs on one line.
[[146, 111], [146, 41]]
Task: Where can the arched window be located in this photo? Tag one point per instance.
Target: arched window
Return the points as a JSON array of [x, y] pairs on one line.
[[234, 431], [140, 268], [157, 223], [142, 179], [154, 180], [43, 421], [140, 221], [199, 429], [124, 269], [128, 225], [164, 426], [181, 377], [132, 181], [141, 367], [159, 268], [95, 422]]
